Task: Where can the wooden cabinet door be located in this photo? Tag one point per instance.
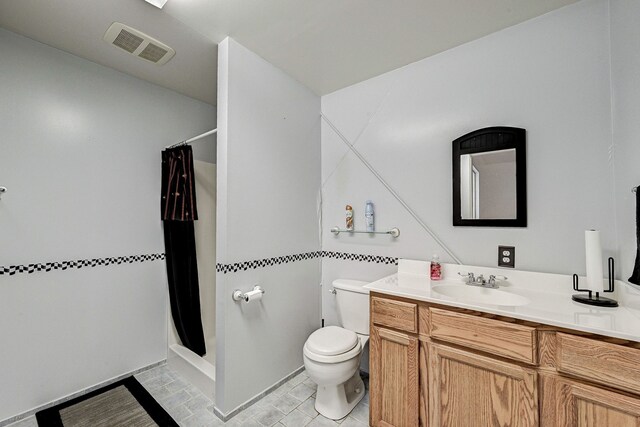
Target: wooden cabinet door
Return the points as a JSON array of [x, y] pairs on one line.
[[394, 379], [469, 390], [580, 405]]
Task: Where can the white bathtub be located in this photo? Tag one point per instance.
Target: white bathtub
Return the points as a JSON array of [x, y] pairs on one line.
[[197, 370]]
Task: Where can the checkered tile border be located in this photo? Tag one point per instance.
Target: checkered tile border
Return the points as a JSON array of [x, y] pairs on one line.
[[66, 265], [361, 258], [266, 262], [223, 268], [252, 265]]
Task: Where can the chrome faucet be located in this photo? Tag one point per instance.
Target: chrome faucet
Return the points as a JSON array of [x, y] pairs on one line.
[[472, 280]]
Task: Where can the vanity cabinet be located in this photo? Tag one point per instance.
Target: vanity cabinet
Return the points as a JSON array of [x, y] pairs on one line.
[[438, 366], [394, 374], [581, 405], [467, 389], [499, 338]]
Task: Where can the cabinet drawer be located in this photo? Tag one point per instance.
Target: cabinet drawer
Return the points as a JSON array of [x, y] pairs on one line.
[[517, 342], [601, 362], [395, 314]]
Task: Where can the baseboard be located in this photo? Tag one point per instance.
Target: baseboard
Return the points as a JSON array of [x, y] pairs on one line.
[[78, 394], [226, 417]]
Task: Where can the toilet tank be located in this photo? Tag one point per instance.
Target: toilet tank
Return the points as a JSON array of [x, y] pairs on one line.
[[353, 305]]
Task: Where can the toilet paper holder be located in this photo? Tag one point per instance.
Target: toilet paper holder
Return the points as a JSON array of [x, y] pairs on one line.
[[238, 295]]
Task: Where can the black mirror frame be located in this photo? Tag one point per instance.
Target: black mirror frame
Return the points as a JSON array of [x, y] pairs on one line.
[[485, 140]]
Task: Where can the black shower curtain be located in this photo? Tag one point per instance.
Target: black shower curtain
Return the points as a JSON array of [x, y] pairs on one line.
[[178, 210]]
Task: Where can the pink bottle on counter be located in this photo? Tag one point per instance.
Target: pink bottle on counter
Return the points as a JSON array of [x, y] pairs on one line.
[[436, 268]]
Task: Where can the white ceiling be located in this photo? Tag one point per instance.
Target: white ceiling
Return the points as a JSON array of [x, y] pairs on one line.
[[325, 44], [77, 26]]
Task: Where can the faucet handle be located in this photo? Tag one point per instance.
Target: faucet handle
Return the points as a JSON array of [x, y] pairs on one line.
[[470, 277], [493, 278]]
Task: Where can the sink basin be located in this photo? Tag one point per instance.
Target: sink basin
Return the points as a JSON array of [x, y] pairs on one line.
[[480, 295]]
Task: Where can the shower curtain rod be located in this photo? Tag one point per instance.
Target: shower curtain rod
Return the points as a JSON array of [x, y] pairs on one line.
[[195, 138]]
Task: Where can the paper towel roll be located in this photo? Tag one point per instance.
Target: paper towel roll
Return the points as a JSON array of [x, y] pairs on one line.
[[593, 247]]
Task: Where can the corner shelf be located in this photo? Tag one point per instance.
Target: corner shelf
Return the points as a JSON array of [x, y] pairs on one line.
[[394, 232]]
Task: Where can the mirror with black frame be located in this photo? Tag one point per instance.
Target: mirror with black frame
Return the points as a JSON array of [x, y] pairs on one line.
[[490, 178]]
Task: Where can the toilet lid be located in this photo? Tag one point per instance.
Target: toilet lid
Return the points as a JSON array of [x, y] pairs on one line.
[[332, 340]]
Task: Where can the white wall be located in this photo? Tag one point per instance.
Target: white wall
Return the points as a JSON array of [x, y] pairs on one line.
[[80, 155], [205, 149], [625, 69], [268, 163], [498, 190], [549, 75]]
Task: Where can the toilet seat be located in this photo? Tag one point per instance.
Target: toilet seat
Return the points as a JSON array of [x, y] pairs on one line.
[[354, 352], [332, 344], [331, 341]]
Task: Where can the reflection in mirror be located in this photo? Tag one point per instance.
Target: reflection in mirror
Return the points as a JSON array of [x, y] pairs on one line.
[[489, 168], [488, 185]]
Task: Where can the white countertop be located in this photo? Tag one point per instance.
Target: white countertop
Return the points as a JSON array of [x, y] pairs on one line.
[[549, 298]]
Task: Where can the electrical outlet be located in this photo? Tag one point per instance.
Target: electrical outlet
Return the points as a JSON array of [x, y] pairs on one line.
[[507, 256]]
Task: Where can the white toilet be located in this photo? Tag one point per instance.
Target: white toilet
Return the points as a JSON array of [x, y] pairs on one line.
[[332, 354]]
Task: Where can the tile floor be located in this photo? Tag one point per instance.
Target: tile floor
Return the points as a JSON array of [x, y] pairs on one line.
[[290, 405]]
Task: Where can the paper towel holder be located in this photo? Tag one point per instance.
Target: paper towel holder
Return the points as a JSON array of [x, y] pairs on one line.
[[598, 300], [238, 295]]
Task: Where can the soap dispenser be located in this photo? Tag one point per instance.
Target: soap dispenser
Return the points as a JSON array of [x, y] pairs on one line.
[[436, 268]]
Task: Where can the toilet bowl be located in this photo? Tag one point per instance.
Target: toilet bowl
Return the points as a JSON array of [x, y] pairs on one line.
[[332, 354], [337, 374]]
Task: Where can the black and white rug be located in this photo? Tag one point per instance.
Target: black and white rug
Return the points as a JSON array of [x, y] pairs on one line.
[[124, 403]]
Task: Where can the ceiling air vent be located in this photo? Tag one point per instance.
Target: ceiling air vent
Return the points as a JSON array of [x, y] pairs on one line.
[[138, 43]]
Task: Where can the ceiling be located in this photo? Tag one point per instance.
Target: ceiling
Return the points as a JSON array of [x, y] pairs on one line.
[[77, 26], [325, 44]]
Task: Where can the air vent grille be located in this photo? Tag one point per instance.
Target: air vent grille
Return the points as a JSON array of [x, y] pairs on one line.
[[152, 53], [127, 41], [138, 43]]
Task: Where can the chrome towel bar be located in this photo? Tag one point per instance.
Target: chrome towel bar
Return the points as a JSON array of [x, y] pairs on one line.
[[394, 232]]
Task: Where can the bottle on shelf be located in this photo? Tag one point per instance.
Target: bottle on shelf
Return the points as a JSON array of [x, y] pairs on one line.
[[349, 216], [368, 216], [436, 268]]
